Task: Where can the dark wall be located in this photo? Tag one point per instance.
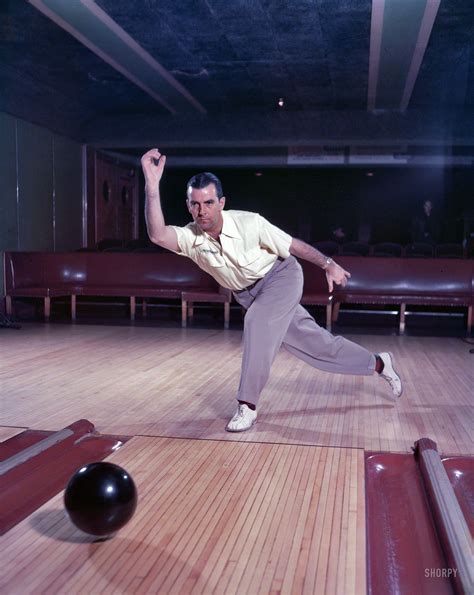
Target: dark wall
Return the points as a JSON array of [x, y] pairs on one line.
[[462, 198], [309, 202], [41, 200]]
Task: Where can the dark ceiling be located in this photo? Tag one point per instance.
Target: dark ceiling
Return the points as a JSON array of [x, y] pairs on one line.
[[206, 75]]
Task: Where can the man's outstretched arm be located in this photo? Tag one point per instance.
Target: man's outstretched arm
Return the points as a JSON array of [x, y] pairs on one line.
[[334, 273], [153, 163]]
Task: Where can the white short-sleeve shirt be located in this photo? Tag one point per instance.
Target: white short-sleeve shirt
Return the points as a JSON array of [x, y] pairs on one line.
[[248, 248]]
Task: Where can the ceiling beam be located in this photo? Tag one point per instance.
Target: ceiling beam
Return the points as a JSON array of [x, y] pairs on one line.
[[94, 28], [376, 27], [429, 16], [399, 36]]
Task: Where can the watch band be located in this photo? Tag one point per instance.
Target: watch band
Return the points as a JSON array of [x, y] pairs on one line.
[[327, 262]]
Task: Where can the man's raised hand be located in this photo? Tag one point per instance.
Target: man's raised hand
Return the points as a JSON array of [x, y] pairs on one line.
[[153, 164]]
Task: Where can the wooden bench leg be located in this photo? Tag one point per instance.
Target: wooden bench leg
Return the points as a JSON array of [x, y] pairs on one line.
[[73, 307], [9, 305], [144, 308], [402, 318], [469, 319], [190, 311], [226, 314], [132, 307], [47, 308], [335, 311], [329, 317], [184, 313]]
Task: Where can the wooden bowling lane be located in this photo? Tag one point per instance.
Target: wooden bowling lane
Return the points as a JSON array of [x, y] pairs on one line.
[[159, 381], [212, 517]]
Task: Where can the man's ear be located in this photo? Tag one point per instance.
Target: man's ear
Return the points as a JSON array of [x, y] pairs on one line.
[[222, 202]]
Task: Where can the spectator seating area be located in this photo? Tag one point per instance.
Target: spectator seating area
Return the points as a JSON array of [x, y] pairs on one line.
[[394, 250], [402, 282]]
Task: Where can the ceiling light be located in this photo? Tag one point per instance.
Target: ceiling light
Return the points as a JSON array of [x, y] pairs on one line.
[[281, 102]]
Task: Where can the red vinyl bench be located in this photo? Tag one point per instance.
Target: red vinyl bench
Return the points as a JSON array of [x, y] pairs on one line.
[[114, 274], [407, 282], [391, 281]]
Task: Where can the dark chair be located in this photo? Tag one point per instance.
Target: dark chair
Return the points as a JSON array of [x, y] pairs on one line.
[[328, 247], [107, 244], [355, 249], [137, 245], [152, 248], [449, 251], [387, 249], [419, 250]]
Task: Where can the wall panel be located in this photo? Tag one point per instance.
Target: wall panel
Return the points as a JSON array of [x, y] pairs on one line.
[[45, 213], [8, 176], [68, 194], [35, 182]]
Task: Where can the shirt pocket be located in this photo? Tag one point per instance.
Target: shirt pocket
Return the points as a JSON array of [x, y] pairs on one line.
[[210, 259], [249, 261]]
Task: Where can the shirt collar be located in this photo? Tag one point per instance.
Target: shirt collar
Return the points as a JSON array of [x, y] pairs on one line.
[[200, 236], [229, 228]]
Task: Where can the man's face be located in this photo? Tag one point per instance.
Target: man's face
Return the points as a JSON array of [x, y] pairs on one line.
[[206, 208]]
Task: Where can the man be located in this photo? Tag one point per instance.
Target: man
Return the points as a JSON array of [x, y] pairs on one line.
[[425, 227], [338, 234], [255, 259]]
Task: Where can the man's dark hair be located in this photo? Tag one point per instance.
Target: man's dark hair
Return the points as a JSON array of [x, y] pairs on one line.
[[202, 180]]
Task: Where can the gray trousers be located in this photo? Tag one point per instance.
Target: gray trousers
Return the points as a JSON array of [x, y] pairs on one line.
[[275, 317]]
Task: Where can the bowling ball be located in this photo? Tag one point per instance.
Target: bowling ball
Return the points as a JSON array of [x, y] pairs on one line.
[[100, 498]]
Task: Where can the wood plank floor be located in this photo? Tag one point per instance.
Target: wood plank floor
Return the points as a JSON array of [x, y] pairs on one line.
[[182, 383], [278, 509], [213, 517]]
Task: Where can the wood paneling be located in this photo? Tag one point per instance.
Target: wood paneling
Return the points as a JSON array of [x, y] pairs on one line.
[[115, 199]]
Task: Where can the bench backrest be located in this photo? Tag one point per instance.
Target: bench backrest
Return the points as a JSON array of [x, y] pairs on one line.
[[50, 269], [369, 275], [24, 269], [146, 270], [408, 276]]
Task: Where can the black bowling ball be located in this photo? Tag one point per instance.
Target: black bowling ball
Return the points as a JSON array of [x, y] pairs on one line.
[[100, 498]]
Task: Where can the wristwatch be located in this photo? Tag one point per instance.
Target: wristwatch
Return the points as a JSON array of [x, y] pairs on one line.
[[327, 262]]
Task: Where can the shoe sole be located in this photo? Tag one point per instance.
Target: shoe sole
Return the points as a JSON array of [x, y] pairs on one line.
[[396, 372], [242, 430]]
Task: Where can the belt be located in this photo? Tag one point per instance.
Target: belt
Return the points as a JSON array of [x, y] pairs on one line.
[[252, 285], [249, 287]]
